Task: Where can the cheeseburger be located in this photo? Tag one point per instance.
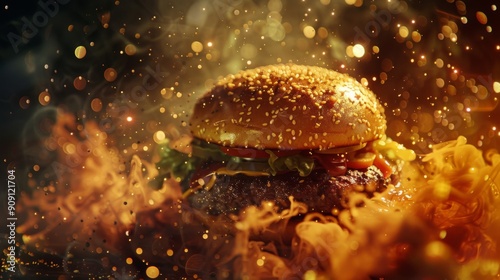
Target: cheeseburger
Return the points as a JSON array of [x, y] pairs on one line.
[[283, 132]]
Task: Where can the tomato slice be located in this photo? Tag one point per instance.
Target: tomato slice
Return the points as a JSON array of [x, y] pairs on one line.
[[254, 153], [342, 150], [384, 166], [334, 164], [244, 152], [285, 153]]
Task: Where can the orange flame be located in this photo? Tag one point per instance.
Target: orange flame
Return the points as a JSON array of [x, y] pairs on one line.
[[441, 220]]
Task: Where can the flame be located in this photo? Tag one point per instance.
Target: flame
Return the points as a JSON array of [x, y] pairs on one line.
[[92, 205], [441, 220]]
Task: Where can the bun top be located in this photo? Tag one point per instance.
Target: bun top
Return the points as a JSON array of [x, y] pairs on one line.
[[288, 107]]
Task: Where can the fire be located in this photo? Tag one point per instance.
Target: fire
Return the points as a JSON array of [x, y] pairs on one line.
[[93, 205], [441, 220]]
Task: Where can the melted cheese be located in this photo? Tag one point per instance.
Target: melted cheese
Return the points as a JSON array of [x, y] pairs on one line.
[[221, 171], [225, 171]]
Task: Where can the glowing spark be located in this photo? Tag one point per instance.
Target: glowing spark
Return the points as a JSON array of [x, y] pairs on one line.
[[152, 272], [496, 87], [403, 31], [358, 50], [309, 31], [80, 52], [196, 46]]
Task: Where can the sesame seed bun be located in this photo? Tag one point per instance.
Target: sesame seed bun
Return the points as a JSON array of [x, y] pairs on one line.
[[288, 107]]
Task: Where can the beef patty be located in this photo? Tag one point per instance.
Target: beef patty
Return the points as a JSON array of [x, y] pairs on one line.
[[319, 191]]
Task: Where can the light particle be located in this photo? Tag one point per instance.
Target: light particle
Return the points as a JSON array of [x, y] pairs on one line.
[[152, 272], [80, 52]]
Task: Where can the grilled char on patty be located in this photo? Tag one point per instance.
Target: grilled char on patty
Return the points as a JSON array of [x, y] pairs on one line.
[[319, 191]]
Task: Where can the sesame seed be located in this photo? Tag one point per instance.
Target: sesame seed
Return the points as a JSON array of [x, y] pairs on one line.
[[272, 87]]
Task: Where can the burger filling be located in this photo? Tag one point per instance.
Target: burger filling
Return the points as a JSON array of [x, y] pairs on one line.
[[212, 173]]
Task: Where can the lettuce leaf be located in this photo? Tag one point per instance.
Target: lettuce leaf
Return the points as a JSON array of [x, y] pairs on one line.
[[206, 151], [175, 163], [179, 165], [302, 164]]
